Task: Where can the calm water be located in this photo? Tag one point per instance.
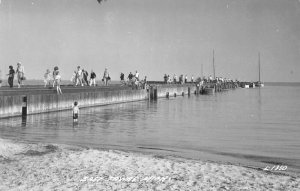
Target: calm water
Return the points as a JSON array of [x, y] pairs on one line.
[[256, 127]]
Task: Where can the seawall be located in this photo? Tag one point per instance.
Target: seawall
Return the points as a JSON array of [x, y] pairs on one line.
[[33, 100]]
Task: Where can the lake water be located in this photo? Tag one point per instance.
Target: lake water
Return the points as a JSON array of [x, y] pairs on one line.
[[253, 127]]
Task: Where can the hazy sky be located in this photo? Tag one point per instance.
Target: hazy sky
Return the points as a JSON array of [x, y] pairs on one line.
[[153, 36]]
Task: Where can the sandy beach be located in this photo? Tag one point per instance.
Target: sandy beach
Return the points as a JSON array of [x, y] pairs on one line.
[[25, 166]]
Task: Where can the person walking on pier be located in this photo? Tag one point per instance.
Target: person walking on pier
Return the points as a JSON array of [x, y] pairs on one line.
[[165, 78], [93, 78], [47, 78], [106, 77], [145, 82], [58, 82], [130, 76], [75, 111], [85, 76], [174, 79], [137, 76], [11, 76], [79, 76], [54, 73], [20, 74]]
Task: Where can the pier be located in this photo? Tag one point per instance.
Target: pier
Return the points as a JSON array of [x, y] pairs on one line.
[[37, 99]]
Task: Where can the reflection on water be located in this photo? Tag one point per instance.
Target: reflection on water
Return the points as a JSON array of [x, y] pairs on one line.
[[247, 126], [24, 119]]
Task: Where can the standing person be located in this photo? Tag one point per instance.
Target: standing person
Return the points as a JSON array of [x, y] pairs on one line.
[[11, 76], [73, 78], [130, 76], [174, 78], [85, 76], [79, 76], [210, 78], [105, 77], [47, 78], [165, 78], [93, 78], [122, 78], [137, 75], [75, 111], [58, 82], [20, 74], [185, 79], [168, 79], [145, 82], [54, 73]]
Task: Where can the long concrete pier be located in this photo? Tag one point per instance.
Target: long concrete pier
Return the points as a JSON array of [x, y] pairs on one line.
[[37, 99]]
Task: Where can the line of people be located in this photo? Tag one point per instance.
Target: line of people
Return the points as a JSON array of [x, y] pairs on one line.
[[19, 72], [133, 80], [181, 79], [80, 77]]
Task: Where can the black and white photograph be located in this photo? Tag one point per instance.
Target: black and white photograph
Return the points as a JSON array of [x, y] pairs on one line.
[[184, 95]]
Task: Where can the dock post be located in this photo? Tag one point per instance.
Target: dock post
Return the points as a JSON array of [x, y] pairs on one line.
[[24, 106]]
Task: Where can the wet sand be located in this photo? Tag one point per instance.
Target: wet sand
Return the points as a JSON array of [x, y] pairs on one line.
[[26, 166]]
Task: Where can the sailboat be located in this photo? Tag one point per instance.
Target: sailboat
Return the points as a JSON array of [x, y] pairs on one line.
[[210, 89], [259, 83]]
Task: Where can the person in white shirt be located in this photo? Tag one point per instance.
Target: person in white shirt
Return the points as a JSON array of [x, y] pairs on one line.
[[20, 74], [137, 75], [57, 82], [79, 76], [47, 78]]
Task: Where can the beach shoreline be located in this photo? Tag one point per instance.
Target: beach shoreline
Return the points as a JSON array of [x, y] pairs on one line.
[[35, 166]]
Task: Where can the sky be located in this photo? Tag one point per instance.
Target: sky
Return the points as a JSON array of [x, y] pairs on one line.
[[154, 37]]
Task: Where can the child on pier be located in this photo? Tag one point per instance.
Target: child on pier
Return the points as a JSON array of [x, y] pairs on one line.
[[57, 82], [75, 111], [47, 78]]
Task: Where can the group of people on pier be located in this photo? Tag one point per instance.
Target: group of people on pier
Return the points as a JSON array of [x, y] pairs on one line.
[[177, 80], [133, 80], [80, 77], [19, 72]]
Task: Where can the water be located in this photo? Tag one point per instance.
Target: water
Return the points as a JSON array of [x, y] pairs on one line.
[[252, 127]]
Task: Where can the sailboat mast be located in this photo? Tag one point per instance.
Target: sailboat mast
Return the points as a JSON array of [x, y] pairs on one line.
[[259, 66], [214, 63]]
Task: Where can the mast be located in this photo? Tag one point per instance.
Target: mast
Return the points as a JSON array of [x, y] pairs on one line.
[[259, 66], [214, 63]]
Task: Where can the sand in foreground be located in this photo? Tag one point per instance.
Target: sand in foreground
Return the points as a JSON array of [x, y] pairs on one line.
[[59, 167]]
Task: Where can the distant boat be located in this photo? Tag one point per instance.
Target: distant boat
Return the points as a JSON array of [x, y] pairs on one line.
[[211, 90], [259, 83]]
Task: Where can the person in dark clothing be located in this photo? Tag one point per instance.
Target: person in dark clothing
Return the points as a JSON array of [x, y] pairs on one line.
[[85, 76], [93, 78], [165, 78], [11, 76], [122, 76], [130, 76]]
